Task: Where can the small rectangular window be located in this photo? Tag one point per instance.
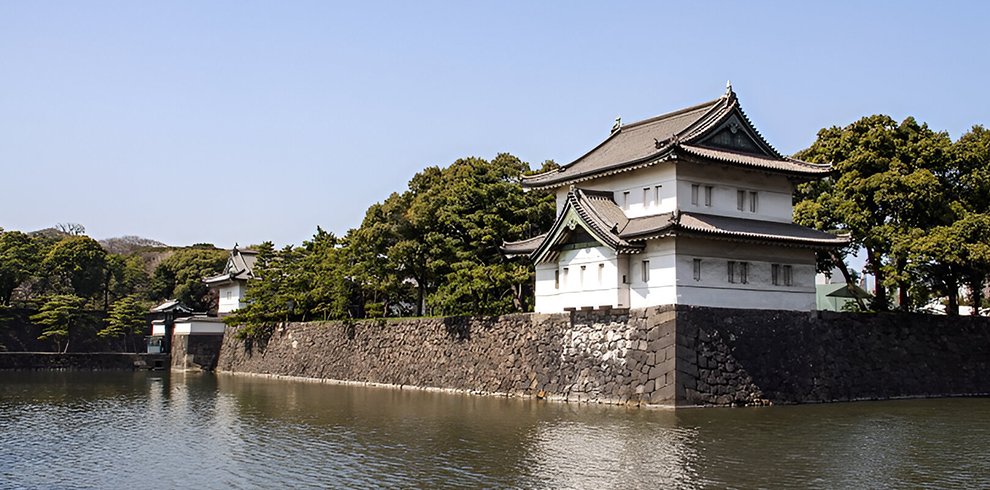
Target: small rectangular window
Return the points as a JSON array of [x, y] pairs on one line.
[[697, 269], [694, 194], [646, 271], [732, 272], [556, 279], [646, 196], [708, 195], [752, 201], [656, 195], [565, 274], [625, 200], [741, 200], [601, 273], [581, 276], [788, 276], [744, 272], [775, 274]]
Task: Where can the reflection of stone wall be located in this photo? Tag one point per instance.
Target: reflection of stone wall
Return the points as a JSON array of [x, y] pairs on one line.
[[195, 352], [664, 355]]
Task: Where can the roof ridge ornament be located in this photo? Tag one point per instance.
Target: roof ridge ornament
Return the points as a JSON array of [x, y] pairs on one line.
[[618, 124], [728, 87]]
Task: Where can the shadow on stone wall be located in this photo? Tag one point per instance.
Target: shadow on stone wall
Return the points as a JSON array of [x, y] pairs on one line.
[[751, 357]]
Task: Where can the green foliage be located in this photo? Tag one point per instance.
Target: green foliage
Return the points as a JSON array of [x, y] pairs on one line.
[[127, 316], [886, 187], [180, 276], [77, 264], [432, 249], [916, 202], [58, 315], [442, 237], [19, 259]]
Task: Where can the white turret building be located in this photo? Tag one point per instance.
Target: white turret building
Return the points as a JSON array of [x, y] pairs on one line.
[[231, 284], [691, 207]]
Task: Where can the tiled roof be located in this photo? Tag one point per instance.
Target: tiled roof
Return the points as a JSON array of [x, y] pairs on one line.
[[657, 139], [759, 161], [606, 220], [710, 224], [240, 266], [523, 247]]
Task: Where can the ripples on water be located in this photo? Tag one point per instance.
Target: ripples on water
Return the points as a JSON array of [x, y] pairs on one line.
[[151, 430]]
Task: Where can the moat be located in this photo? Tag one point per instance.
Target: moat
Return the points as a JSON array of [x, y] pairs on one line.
[[161, 430]]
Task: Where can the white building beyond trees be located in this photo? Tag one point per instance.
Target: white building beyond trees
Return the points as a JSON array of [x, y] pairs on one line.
[[691, 207], [231, 284]]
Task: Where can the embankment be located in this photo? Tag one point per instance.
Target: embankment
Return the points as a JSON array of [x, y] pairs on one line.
[[671, 356]]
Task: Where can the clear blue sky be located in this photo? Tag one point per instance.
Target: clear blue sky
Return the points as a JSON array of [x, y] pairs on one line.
[[246, 121]]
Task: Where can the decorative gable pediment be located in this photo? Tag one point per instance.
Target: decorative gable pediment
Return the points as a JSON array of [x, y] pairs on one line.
[[736, 134], [570, 231]]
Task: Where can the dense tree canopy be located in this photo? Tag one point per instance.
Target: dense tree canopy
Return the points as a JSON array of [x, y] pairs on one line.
[[180, 276], [78, 262], [912, 199], [432, 249], [19, 260]]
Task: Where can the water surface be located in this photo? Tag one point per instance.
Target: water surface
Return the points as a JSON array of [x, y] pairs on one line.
[[132, 430]]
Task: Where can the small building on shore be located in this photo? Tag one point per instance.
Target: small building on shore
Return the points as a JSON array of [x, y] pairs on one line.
[[691, 207]]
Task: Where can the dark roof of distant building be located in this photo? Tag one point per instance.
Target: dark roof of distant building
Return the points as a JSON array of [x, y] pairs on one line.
[[240, 267], [717, 131]]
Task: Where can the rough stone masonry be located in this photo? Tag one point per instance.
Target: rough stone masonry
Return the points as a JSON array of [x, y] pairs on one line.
[[665, 356]]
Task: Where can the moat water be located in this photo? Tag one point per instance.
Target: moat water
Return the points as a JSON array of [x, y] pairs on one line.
[[155, 430]]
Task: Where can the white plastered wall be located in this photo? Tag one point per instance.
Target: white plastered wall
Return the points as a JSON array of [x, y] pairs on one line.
[[774, 200], [659, 289], [644, 198], [231, 297], [587, 277], [714, 289]]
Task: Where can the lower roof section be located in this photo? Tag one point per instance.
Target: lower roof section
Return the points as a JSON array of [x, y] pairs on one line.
[[609, 227]]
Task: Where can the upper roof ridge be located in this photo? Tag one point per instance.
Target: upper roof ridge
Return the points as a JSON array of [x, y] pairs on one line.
[[678, 112]]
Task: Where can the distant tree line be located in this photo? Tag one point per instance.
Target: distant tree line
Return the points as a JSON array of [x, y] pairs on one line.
[[76, 290], [916, 202]]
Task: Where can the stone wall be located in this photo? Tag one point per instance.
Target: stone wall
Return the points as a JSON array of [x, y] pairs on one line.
[[754, 357], [598, 356], [89, 361], [195, 352], [673, 356]]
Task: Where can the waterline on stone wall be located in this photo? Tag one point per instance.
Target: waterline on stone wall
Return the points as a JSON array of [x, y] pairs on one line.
[[449, 391]]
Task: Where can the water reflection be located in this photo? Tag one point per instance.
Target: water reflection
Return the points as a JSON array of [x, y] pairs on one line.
[[129, 430]]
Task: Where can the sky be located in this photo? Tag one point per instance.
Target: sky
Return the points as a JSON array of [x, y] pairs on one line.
[[244, 121]]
